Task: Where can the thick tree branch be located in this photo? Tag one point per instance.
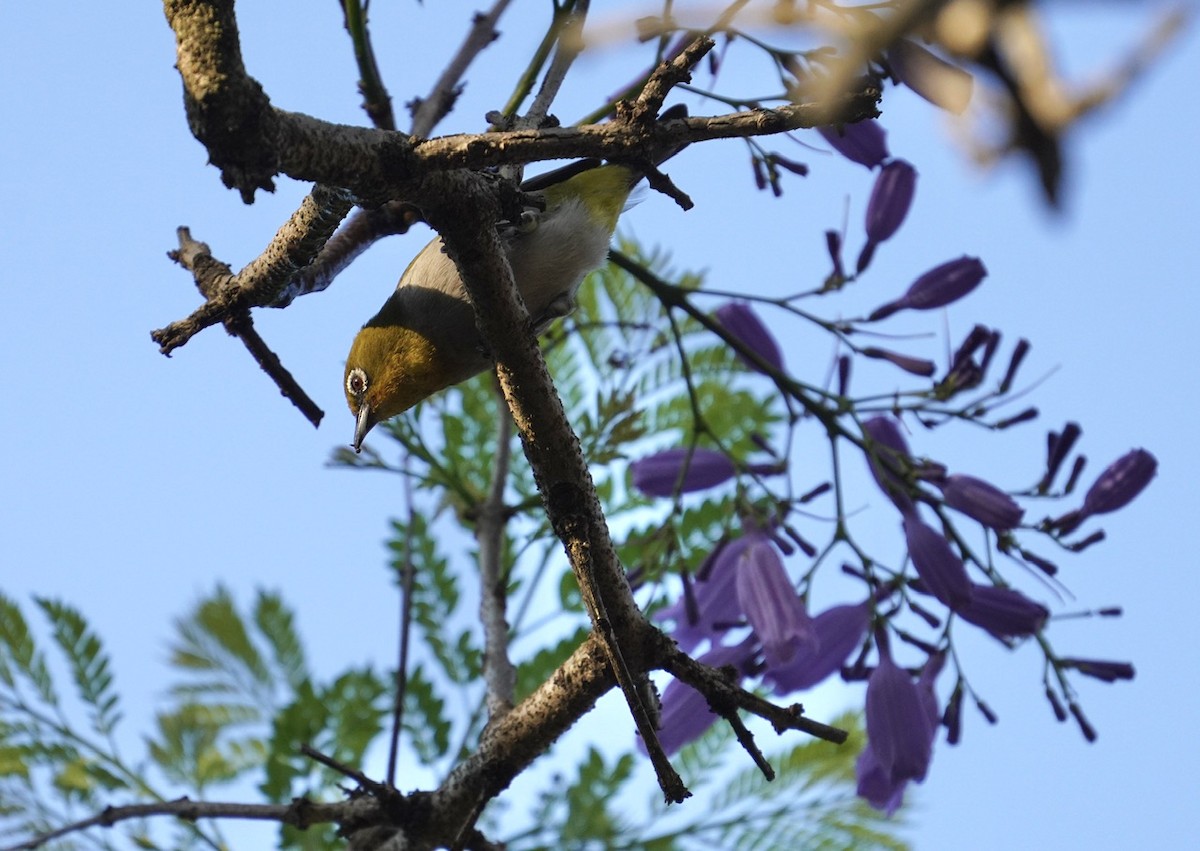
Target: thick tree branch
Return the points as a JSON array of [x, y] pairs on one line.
[[469, 231]]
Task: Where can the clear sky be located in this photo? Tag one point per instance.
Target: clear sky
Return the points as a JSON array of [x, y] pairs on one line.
[[132, 483]]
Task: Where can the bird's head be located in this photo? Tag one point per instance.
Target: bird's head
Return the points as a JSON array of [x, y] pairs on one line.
[[389, 369]]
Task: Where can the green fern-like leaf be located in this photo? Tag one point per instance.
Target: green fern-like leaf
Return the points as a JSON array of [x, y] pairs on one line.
[[88, 662]]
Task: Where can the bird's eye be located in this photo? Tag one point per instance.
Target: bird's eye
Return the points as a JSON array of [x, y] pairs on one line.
[[356, 382], [529, 221]]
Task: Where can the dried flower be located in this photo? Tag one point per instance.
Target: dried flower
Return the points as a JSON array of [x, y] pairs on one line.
[[864, 142], [941, 571], [743, 323], [684, 470], [981, 501]]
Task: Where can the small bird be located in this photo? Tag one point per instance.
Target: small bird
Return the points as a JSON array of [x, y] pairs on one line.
[[424, 339]]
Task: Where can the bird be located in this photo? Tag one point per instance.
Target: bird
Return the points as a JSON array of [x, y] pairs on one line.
[[424, 339]]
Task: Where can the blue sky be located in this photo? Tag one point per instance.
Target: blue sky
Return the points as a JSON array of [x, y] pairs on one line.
[[132, 483]]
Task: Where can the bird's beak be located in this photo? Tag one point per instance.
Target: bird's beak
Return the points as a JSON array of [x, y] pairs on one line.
[[362, 424]]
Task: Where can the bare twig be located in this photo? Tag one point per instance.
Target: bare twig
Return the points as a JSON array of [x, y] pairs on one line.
[[212, 276], [498, 671], [300, 813], [406, 607], [376, 100], [428, 111], [570, 43]]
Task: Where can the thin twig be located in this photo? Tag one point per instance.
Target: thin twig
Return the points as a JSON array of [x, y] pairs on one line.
[[440, 100], [212, 276], [406, 606], [301, 813], [376, 100], [570, 43], [498, 671]]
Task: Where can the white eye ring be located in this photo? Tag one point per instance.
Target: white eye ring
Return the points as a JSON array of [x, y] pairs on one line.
[[356, 383]]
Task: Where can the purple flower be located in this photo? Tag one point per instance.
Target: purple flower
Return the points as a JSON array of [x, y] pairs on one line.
[[938, 287], [770, 603], [890, 199], [685, 711], [864, 142], [888, 457], [908, 363], [930, 76], [942, 572], [743, 323], [1101, 669], [663, 472], [876, 784], [838, 631], [1003, 612], [899, 728], [981, 501], [1120, 482], [715, 598]]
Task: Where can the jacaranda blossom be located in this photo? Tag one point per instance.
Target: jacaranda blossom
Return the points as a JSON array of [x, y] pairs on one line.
[[1120, 482], [1100, 669], [888, 457], [938, 287], [942, 572], [839, 632], [740, 320], [888, 206], [899, 729], [881, 787], [981, 501], [663, 473], [715, 598], [770, 603], [864, 142], [1003, 612]]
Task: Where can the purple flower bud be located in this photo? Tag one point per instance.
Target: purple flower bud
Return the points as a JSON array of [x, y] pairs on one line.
[[685, 711], [664, 473], [981, 501], [941, 571], [864, 142], [1003, 612], [1124, 479], [888, 456], [890, 199], [915, 366], [930, 76], [839, 631], [743, 323], [898, 723], [1101, 669], [770, 603], [938, 287]]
